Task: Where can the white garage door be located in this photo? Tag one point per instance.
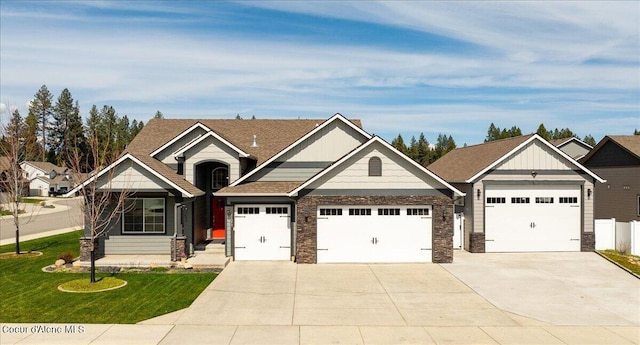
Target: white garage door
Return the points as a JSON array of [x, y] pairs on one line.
[[262, 232], [374, 234], [532, 218]]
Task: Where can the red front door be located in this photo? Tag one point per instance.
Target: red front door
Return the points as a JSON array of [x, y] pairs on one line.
[[218, 218]]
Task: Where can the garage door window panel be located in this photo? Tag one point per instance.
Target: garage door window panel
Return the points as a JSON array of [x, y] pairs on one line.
[[417, 212], [359, 211], [388, 211], [544, 200], [568, 200], [520, 200], [496, 200], [330, 211]]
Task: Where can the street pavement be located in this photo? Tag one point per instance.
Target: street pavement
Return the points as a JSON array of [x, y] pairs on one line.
[[40, 221]]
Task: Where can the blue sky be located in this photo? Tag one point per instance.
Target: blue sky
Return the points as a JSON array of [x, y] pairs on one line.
[[400, 67]]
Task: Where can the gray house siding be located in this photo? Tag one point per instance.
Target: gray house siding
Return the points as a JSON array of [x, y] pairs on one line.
[[618, 197]]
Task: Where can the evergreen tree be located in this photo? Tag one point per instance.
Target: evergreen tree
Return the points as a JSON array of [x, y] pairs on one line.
[[444, 144], [41, 106], [543, 132], [423, 151], [412, 150], [31, 146], [515, 132], [493, 133], [158, 115], [60, 137], [398, 144], [589, 140], [636, 132], [123, 135]]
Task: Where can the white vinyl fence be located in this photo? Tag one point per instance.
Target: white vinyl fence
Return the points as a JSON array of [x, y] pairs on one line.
[[622, 236]]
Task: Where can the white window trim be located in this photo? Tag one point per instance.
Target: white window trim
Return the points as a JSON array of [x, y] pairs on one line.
[[164, 219]]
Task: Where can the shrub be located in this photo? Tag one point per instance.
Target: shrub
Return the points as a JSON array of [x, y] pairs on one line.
[[66, 256], [624, 248]]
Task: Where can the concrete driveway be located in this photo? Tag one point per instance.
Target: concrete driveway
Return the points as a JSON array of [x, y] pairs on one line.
[[285, 303], [558, 288]]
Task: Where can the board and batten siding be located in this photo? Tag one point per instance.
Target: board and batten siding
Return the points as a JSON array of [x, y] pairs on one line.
[[130, 176], [525, 178], [327, 145], [209, 150], [535, 156], [397, 173], [166, 155]]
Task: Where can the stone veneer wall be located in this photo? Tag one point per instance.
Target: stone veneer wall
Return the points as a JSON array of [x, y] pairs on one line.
[[588, 242], [476, 242], [178, 246], [85, 249], [306, 221]]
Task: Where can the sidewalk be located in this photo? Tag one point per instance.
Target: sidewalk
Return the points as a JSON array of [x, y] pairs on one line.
[[294, 335]]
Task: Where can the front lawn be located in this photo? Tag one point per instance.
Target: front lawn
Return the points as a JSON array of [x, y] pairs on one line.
[[27, 294], [628, 261]]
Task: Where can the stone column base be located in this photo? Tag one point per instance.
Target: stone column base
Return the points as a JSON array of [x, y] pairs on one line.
[[588, 242], [178, 246], [476, 242], [85, 249]]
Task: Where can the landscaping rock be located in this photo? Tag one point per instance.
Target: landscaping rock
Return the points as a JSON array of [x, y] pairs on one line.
[[60, 262]]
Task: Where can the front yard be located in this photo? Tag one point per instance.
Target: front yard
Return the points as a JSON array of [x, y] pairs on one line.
[[628, 261], [27, 294]]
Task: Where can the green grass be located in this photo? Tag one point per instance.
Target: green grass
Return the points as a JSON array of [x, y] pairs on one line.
[[5, 213], [84, 285], [27, 294], [31, 200], [631, 262]]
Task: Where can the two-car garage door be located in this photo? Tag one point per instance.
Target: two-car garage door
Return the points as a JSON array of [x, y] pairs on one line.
[[374, 234], [532, 218]]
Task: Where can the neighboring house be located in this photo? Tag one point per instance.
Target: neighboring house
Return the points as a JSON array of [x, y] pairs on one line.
[[573, 147], [522, 195], [46, 178], [617, 159], [313, 191], [5, 165]]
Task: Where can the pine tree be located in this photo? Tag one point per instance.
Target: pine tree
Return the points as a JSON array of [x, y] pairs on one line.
[[398, 144], [423, 150], [412, 150], [158, 115], [493, 133], [543, 132], [444, 144], [60, 136], [636, 132], [589, 140], [31, 146], [123, 134], [41, 106]]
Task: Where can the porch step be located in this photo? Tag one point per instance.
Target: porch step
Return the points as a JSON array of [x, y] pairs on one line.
[[210, 247]]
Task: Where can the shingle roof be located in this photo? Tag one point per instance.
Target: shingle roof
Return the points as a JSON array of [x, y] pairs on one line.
[[463, 163], [46, 166], [275, 187], [629, 142], [4, 163], [272, 135], [168, 173]]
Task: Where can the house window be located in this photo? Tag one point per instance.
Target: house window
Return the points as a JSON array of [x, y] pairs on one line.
[[220, 178], [417, 212], [544, 200], [496, 200], [248, 210], [388, 211], [144, 215], [568, 200], [330, 211], [520, 200], [359, 211], [375, 166]]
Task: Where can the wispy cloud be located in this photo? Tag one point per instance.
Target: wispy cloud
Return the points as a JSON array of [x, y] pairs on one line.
[[529, 62]]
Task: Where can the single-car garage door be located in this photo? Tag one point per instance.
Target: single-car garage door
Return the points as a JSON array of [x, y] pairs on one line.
[[374, 234], [532, 218], [262, 232]]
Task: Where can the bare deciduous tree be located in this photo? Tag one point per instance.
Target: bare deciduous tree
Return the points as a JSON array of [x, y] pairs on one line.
[[102, 203], [12, 184]]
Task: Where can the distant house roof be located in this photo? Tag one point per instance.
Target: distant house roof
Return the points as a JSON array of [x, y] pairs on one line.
[[5, 163], [629, 143], [463, 163], [564, 141], [466, 164], [46, 167]]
